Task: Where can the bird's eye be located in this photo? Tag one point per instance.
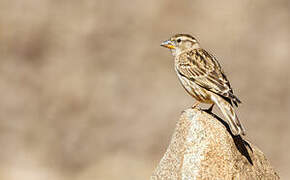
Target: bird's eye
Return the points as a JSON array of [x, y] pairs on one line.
[[178, 40]]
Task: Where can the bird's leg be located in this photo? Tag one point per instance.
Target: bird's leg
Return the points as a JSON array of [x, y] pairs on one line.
[[195, 104], [209, 110]]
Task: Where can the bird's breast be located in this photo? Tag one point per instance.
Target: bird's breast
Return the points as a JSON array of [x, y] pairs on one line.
[[193, 89]]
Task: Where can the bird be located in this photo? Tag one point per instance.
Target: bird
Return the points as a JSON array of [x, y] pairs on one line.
[[202, 76]]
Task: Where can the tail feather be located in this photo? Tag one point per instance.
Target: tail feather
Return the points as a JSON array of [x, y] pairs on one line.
[[230, 115]]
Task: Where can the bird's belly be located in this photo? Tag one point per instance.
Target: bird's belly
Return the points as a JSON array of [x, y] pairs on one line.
[[197, 92]]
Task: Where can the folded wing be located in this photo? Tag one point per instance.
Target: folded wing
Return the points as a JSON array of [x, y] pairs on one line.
[[204, 70]]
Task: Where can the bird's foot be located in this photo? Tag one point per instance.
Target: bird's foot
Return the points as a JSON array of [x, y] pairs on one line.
[[195, 105]]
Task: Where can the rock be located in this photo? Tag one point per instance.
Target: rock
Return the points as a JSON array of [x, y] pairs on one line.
[[202, 147]]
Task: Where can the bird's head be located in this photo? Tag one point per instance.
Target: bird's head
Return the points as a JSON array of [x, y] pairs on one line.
[[180, 43]]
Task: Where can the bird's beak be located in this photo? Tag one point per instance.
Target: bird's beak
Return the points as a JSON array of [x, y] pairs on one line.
[[168, 44]]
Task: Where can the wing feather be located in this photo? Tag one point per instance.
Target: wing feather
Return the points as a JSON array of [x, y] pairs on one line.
[[203, 69]]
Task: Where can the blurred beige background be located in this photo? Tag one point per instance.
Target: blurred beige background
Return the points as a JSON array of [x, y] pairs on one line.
[[88, 93]]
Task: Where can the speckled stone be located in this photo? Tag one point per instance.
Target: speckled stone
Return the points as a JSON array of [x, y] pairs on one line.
[[202, 148]]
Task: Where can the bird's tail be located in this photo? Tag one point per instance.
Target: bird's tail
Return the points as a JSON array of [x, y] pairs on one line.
[[229, 113]]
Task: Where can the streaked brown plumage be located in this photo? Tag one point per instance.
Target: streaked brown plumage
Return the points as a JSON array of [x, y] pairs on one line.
[[202, 77]]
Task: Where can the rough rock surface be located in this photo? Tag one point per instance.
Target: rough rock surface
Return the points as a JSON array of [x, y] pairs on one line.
[[202, 147]]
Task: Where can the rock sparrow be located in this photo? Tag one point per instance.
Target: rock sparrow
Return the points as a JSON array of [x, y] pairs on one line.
[[202, 77]]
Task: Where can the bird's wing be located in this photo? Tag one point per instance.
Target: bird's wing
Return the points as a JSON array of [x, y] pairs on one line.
[[202, 68]]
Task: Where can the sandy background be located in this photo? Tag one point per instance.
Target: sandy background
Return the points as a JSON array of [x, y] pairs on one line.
[[88, 93]]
